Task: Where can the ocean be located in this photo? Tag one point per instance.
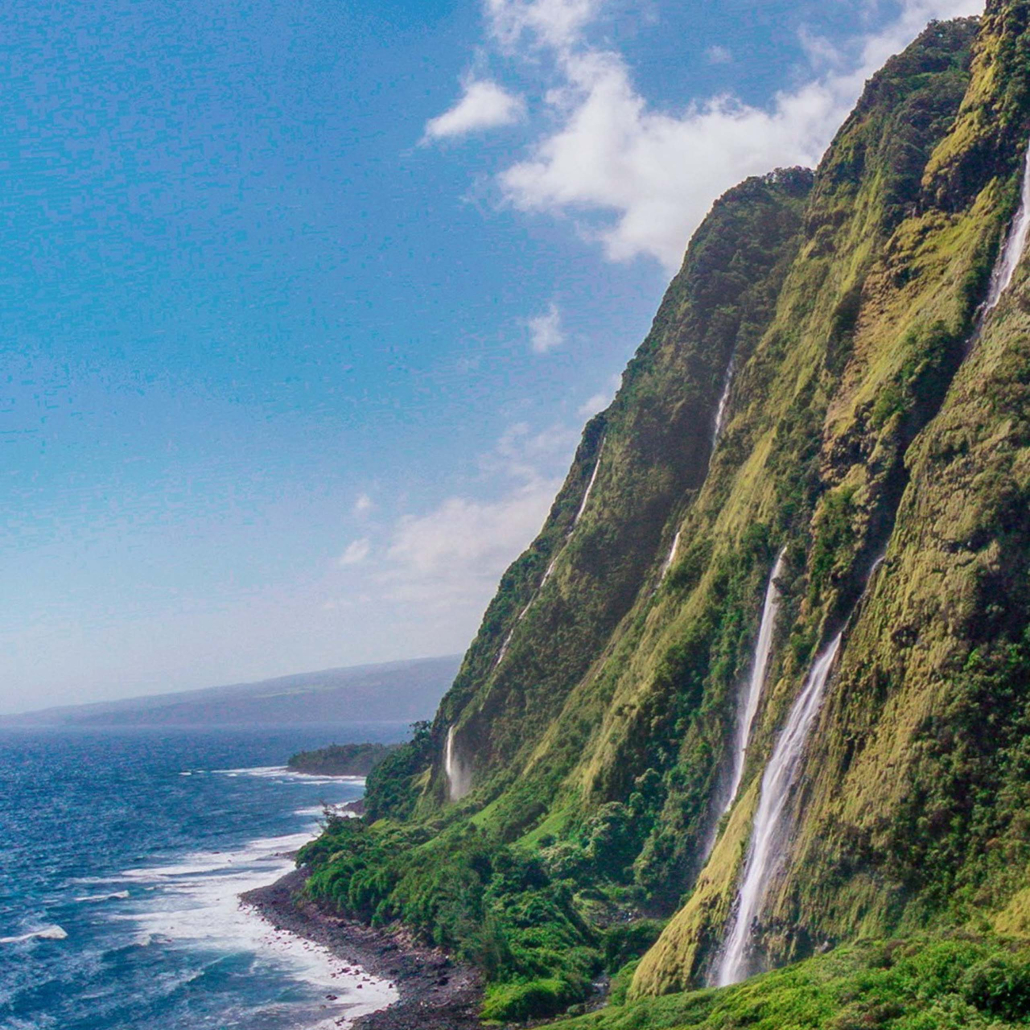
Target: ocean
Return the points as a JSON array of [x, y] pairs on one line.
[[122, 855]]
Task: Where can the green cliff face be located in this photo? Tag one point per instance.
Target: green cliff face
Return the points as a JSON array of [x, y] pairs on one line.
[[572, 791]]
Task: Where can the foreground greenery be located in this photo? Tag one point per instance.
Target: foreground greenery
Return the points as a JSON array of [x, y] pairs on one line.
[[341, 759], [868, 414], [958, 982]]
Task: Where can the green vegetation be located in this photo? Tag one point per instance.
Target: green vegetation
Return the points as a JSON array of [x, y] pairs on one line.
[[919, 983], [594, 710], [340, 759]]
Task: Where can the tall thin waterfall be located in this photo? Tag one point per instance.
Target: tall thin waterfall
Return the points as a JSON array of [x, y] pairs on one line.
[[459, 780], [724, 400], [770, 825], [749, 701], [590, 487], [554, 561], [670, 560], [1015, 245]]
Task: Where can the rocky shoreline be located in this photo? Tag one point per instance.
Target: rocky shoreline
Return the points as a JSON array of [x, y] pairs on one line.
[[435, 992]]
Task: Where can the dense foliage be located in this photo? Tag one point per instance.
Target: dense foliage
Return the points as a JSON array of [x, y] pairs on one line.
[[340, 759], [832, 320]]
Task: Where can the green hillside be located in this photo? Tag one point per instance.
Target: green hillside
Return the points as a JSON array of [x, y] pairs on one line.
[[566, 812]]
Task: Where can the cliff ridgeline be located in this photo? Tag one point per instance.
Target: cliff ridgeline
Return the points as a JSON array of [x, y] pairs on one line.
[[758, 696]]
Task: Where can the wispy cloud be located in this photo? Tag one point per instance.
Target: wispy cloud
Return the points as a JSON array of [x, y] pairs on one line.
[[599, 401], [455, 553], [545, 331], [356, 552], [484, 105], [719, 55], [363, 505], [553, 23]]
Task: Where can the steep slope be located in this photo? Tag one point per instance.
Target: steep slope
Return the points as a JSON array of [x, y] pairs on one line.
[[912, 332], [817, 391], [640, 462]]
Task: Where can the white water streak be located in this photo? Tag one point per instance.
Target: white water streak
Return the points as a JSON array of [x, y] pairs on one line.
[[668, 563], [724, 400], [554, 561], [459, 780], [749, 706], [769, 831], [590, 487], [1015, 245]]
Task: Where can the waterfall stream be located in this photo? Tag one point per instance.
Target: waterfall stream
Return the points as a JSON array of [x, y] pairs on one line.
[[668, 563], [749, 701], [1015, 245], [590, 487], [554, 561], [771, 823], [724, 400], [459, 782]]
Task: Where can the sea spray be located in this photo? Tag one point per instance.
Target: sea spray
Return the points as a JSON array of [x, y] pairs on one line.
[[771, 821], [459, 780], [748, 705]]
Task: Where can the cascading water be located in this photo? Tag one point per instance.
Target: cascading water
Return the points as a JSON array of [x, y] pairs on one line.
[[590, 487], [459, 781], [749, 701], [554, 561], [724, 400], [771, 820], [668, 563], [1015, 245]]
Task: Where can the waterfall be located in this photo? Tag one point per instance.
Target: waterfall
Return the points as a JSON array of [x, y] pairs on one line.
[[771, 818], [1015, 245], [590, 487], [459, 780], [724, 400], [667, 564], [770, 827], [554, 561], [749, 701]]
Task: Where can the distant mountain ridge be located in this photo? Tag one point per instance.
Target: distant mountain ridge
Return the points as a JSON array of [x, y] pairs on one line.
[[388, 692]]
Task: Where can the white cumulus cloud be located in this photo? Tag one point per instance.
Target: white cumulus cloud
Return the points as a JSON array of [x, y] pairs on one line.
[[650, 174], [484, 105]]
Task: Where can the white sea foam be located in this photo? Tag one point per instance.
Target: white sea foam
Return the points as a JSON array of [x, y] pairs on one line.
[[97, 898], [280, 772], [47, 933], [195, 904]]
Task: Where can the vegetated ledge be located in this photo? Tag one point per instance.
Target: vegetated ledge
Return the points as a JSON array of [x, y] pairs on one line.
[[946, 981], [340, 759]]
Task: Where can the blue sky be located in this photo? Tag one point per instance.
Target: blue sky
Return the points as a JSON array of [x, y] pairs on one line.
[[305, 305]]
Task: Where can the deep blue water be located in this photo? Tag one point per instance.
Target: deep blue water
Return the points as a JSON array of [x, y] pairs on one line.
[[121, 858]]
